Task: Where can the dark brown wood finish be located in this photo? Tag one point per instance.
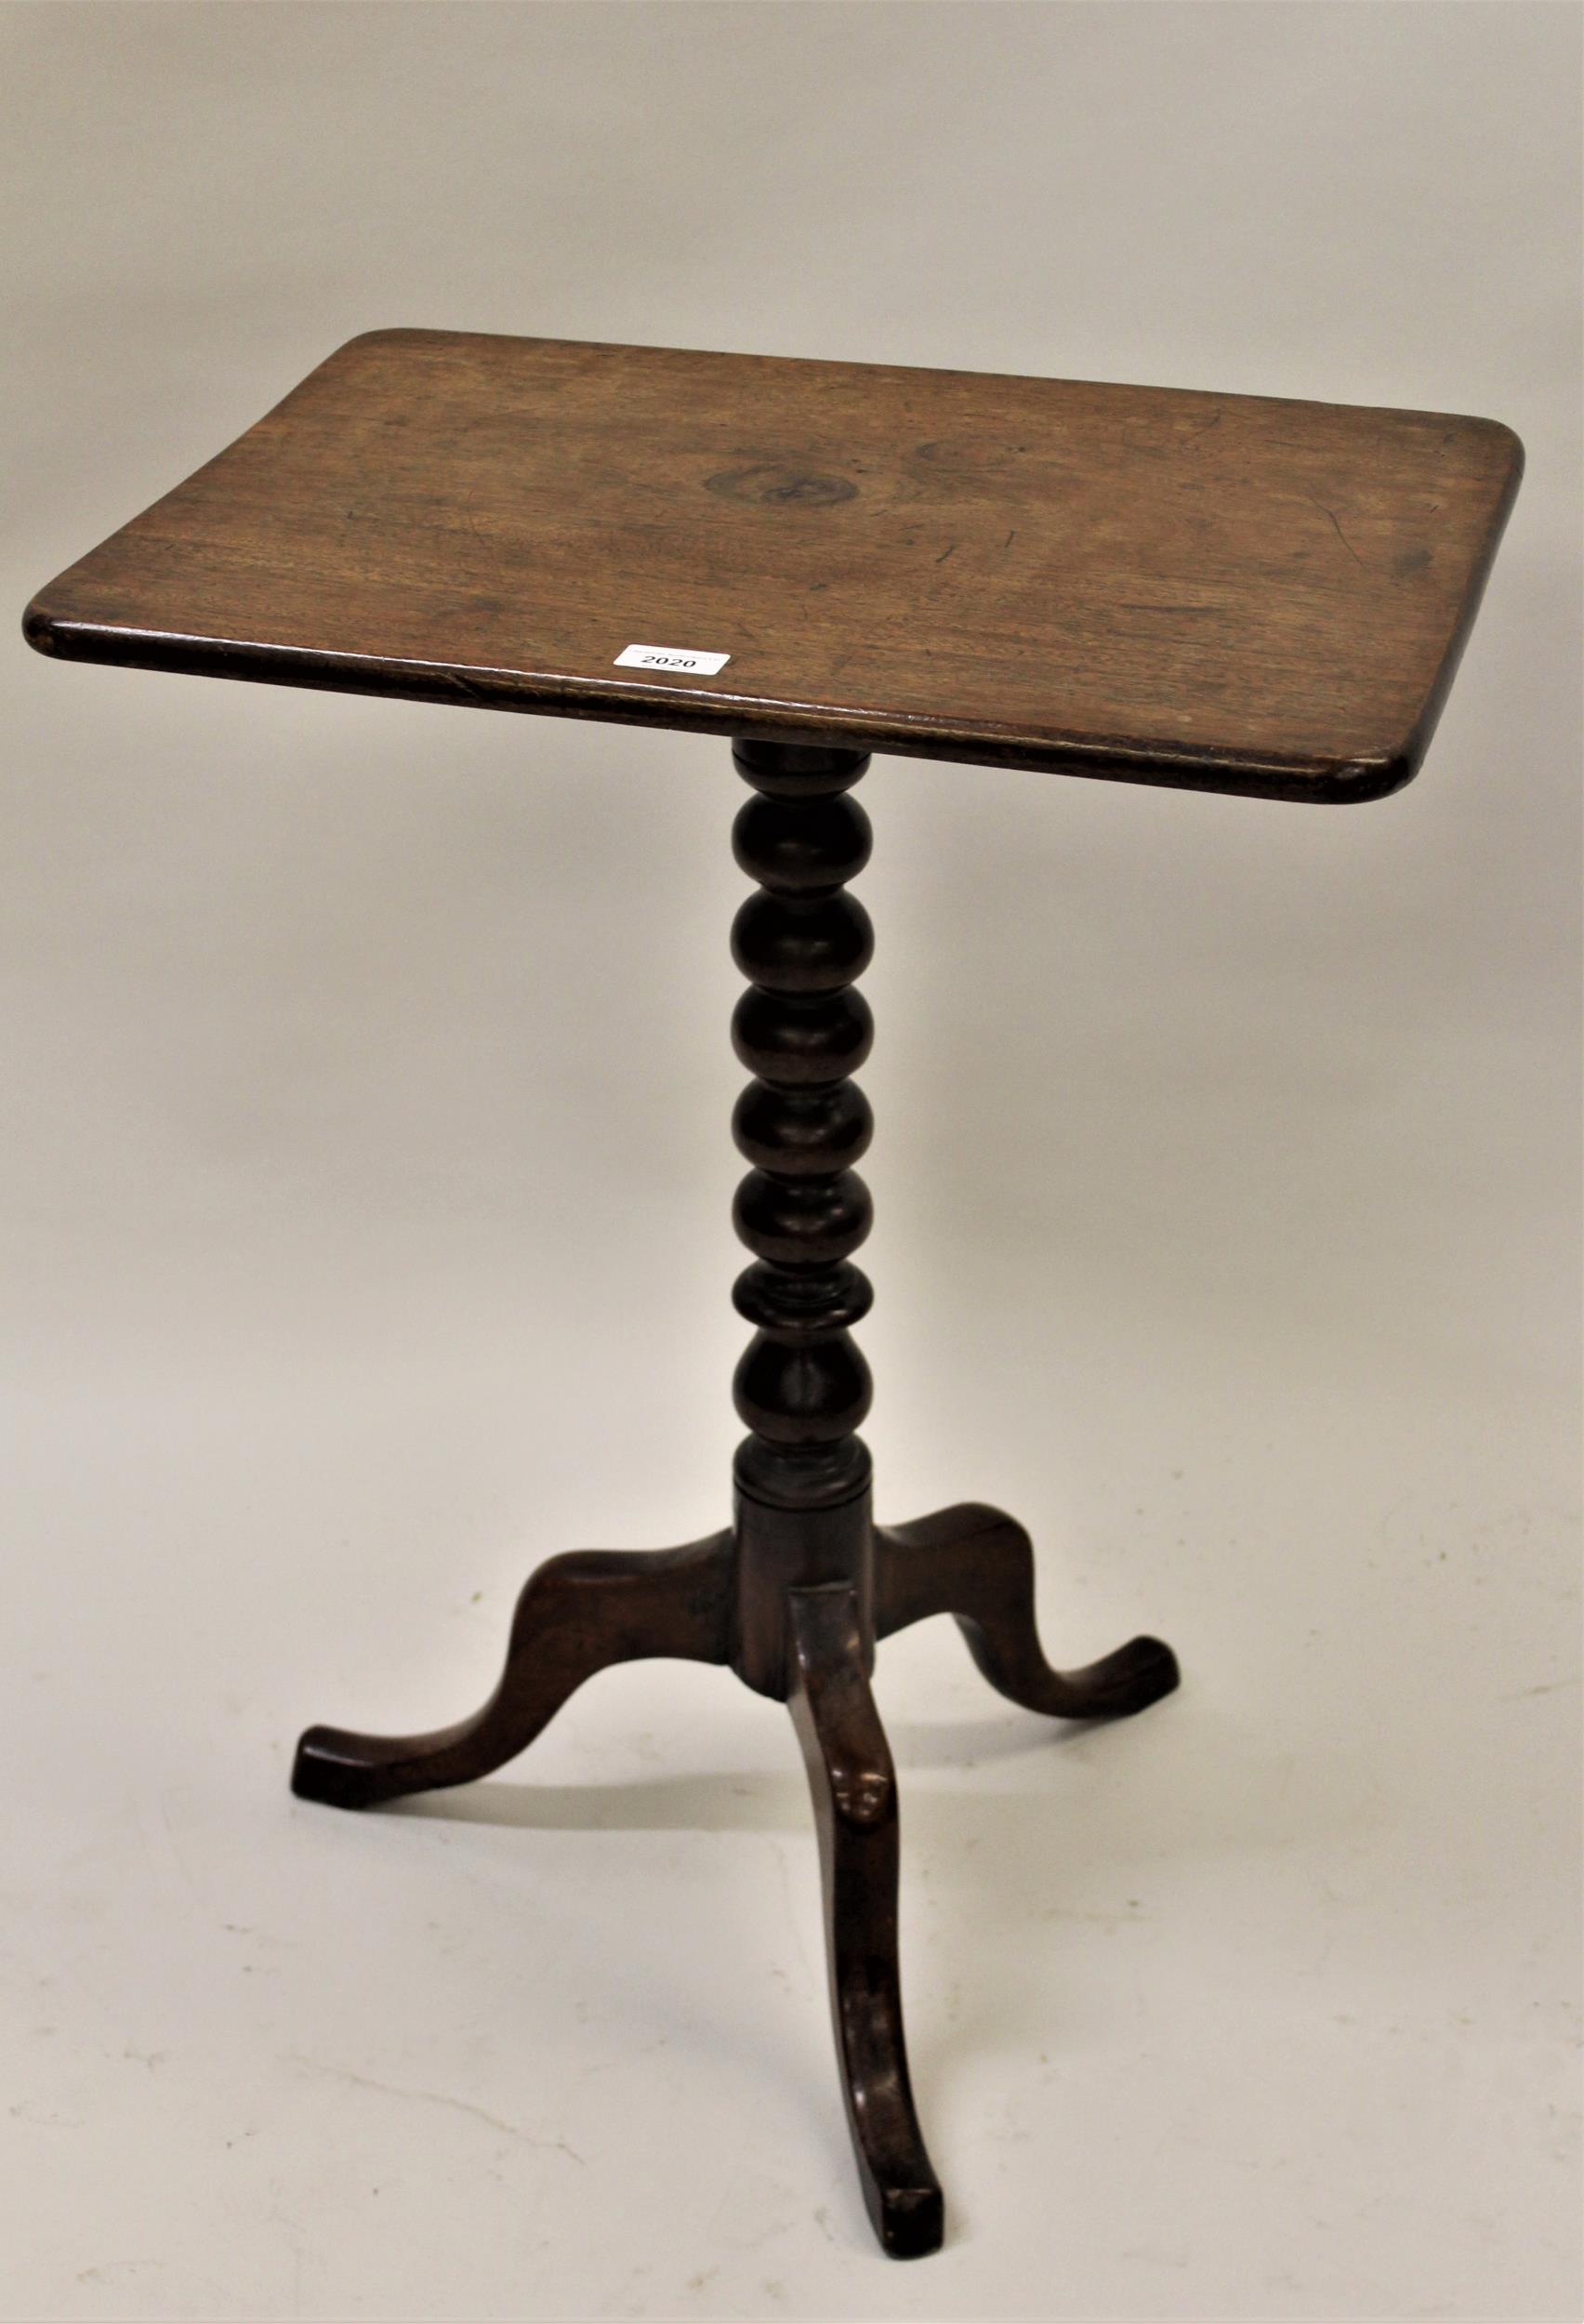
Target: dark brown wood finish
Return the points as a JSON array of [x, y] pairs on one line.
[[853, 1783], [795, 1593], [802, 1387], [978, 1564], [1226, 593], [1221, 592], [578, 1613]]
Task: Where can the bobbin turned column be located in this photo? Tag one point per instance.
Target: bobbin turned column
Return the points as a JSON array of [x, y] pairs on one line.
[[802, 1475]]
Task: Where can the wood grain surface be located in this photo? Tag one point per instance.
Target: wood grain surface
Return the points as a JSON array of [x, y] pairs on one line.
[[1227, 593]]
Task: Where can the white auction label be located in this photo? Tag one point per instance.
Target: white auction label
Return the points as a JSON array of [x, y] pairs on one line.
[[670, 657]]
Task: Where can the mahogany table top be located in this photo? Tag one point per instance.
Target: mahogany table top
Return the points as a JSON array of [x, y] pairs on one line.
[[1221, 592]]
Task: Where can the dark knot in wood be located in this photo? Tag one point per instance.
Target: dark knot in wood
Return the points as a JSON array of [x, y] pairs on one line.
[[769, 485]]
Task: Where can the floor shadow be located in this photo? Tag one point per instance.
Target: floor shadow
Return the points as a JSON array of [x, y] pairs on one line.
[[1113, 1788], [716, 1801], [1063, 1831], [702, 1802]]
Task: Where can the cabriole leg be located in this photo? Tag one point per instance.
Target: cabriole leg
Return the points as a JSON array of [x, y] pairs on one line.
[[855, 1807], [978, 1563], [576, 1614]]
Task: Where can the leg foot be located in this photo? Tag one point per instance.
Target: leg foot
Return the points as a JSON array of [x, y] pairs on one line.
[[577, 1614], [854, 1788], [978, 1563]]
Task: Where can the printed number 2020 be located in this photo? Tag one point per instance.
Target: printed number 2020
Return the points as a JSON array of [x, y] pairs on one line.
[[671, 657]]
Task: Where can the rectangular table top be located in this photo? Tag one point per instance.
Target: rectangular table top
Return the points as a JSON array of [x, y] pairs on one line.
[[1221, 592]]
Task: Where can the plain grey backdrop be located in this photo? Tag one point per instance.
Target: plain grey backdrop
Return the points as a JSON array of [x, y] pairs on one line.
[[364, 1225]]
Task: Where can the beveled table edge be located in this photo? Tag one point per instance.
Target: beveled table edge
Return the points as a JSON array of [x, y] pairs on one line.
[[690, 710]]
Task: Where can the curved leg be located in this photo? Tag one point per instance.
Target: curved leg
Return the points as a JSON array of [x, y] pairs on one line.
[[854, 1788], [577, 1614], [978, 1563]]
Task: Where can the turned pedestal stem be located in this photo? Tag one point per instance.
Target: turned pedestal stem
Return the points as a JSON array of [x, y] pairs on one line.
[[794, 1593], [802, 1474]]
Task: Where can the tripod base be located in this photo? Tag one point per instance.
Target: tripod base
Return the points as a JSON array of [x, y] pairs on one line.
[[816, 1589]]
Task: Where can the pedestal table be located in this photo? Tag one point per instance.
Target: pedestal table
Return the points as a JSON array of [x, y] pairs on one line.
[[818, 560]]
